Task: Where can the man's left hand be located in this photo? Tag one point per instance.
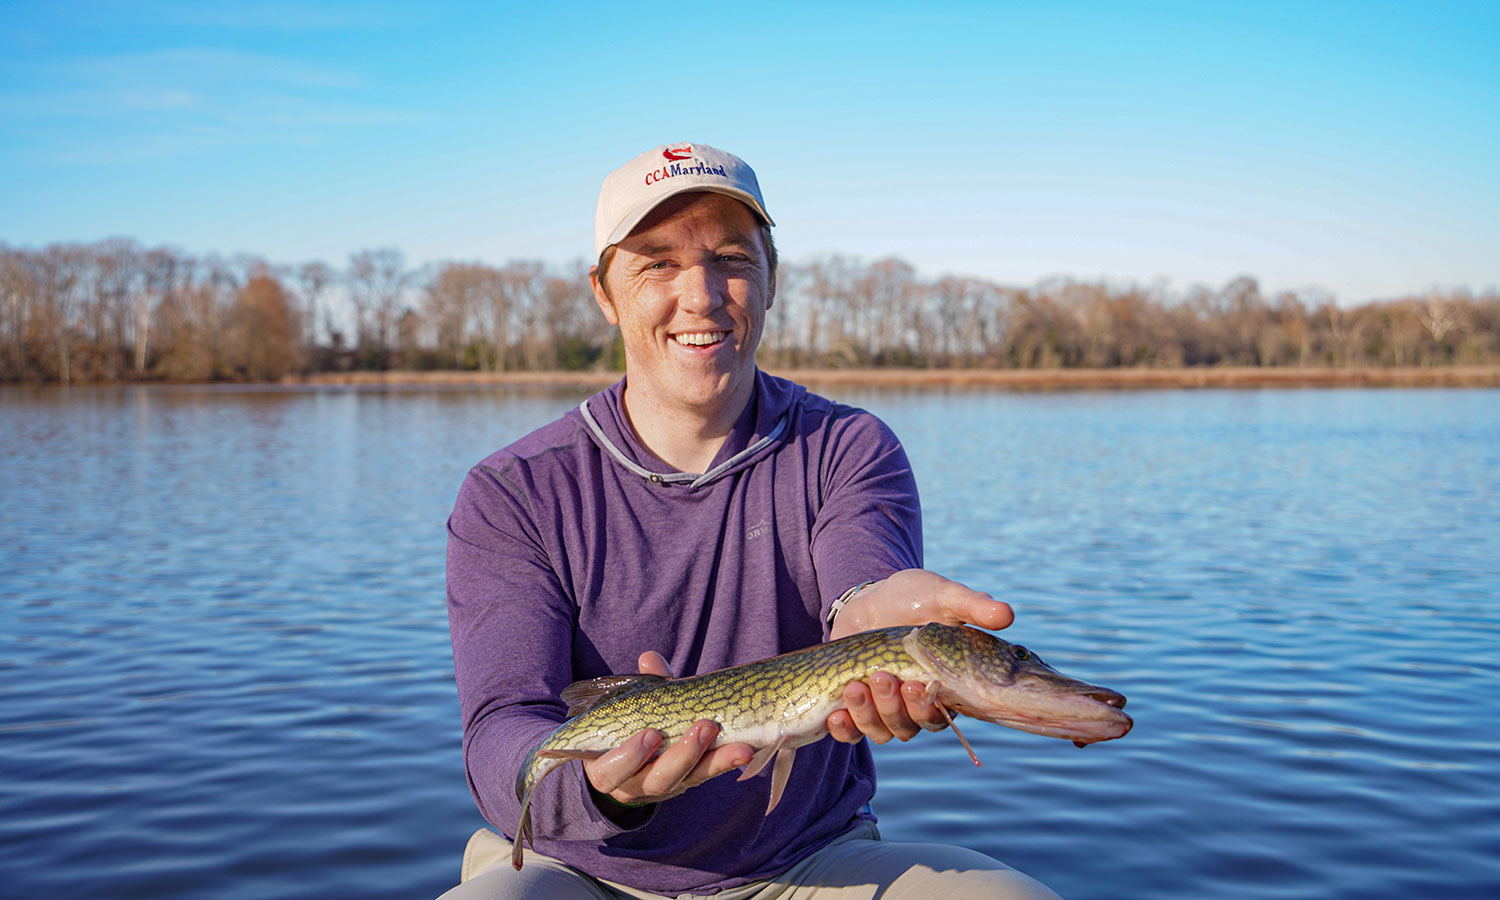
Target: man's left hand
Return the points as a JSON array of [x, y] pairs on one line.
[[885, 707]]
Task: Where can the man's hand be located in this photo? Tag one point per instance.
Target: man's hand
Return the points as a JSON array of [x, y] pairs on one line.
[[886, 707], [633, 774], [916, 597]]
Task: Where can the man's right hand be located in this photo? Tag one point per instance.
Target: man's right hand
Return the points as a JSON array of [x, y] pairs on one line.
[[634, 774]]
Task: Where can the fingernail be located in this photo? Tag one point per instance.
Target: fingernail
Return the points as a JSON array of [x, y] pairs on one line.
[[857, 700], [652, 740]]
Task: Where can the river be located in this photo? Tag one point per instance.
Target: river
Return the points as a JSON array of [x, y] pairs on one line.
[[225, 669]]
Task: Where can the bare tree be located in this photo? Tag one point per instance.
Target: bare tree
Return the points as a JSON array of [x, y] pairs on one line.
[[114, 310], [458, 302], [377, 280], [827, 286], [59, 281], [313, 281], [523, 283], [578, 330]]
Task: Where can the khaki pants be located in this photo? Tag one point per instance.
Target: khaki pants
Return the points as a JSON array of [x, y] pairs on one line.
[[856, 866]]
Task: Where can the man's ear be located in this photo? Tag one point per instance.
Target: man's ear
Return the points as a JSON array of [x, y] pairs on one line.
[[606, 305]]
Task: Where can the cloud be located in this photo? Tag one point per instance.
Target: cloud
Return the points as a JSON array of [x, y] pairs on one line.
[[272, 15], [181, 101], [203, 65]]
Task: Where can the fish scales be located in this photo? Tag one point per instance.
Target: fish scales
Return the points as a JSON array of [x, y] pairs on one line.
[[781, 689], [779, 704]]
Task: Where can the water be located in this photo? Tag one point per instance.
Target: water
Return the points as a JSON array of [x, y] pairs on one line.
[[225, 671]]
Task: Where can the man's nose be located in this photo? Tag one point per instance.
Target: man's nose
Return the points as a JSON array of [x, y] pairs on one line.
[[700, 289]]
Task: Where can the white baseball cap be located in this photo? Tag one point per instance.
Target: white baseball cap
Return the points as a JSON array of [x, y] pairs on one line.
[[633, 190]]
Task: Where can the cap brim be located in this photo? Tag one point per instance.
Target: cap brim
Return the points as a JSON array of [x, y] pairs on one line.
[[635, 216]]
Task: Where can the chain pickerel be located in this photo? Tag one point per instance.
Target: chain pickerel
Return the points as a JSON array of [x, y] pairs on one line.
[[779, 704]]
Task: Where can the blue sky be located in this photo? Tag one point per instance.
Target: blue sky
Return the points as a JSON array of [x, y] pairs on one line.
[[1349, 147]]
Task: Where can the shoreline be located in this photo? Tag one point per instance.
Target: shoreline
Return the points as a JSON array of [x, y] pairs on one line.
[[999, 379]]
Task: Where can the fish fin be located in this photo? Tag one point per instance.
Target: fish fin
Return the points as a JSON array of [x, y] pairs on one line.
[[933, 687], [582, 696], [780, 774], [961, 739], [761, 759]]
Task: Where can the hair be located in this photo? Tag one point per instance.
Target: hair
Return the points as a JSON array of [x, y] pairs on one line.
[[608, 256]]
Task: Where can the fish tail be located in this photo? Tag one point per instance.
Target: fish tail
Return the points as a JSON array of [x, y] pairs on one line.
[[523, 833], [526, 781]]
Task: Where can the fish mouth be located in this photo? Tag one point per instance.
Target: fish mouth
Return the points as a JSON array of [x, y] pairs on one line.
[[1085, 715], [1021, 692], [1106, 696]]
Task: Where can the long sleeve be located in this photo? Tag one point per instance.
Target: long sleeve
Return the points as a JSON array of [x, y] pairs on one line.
[[512, 624]]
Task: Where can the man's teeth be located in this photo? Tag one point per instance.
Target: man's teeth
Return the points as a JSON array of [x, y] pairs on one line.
[[701, 340]]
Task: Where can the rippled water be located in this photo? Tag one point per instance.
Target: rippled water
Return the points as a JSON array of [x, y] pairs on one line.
[[225, 672]]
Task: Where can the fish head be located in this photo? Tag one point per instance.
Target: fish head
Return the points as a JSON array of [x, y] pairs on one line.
[[987, 678]]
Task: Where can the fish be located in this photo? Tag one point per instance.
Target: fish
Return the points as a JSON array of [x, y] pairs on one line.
[[779, 704]]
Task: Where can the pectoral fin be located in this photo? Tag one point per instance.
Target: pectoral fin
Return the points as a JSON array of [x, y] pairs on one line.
[[570, 754], [932, 692]]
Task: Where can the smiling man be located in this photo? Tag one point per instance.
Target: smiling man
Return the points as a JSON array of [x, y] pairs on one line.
[[694, 278], [698, 514]]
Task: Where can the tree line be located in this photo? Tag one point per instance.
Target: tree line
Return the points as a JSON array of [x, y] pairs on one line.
[[117, 311]]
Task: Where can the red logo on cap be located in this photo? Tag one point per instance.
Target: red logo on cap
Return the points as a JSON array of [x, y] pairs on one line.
[[678, 153]]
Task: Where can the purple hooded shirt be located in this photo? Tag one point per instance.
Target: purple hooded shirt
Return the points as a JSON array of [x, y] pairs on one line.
[[575, 549]]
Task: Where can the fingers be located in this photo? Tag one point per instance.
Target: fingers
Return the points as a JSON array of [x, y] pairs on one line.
[[678, 761], [692, 760], [922, 706], [841, 725], [653, 663], [717, 762], [883, 709], [628, 774], [614, 769], [887, 713], [915, 597], [977, 608], [954, 603]]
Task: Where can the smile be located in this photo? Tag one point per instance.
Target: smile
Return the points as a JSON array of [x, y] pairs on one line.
[[700, 339]]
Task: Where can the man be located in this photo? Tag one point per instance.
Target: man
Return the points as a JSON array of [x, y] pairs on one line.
[[698, 514]]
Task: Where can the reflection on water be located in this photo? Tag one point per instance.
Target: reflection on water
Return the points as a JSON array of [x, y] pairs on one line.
[[224, 668]]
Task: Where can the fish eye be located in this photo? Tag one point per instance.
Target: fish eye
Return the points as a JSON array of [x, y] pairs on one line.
[[1020, 652]]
